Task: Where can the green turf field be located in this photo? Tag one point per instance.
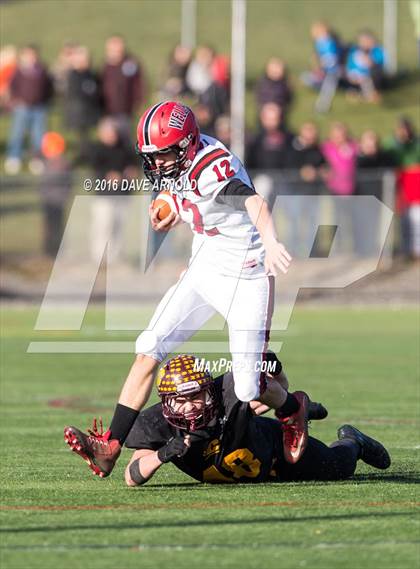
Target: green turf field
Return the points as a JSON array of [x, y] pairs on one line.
[[362, 364]]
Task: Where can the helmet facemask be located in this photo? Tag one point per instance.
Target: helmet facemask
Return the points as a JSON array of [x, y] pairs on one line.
[[196, 419], [173, 172]]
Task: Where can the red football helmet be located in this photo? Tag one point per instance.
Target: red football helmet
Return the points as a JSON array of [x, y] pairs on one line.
[[180, 377], [167, 126]]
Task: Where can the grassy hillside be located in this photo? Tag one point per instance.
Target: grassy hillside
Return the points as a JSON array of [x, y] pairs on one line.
[[274, 27], [153, 27]]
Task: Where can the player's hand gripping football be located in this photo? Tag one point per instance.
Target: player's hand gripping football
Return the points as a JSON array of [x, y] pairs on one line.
[[166, 224], [276, 257]]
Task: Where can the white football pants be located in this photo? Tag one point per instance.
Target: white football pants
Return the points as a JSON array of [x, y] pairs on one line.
[[246, 305]]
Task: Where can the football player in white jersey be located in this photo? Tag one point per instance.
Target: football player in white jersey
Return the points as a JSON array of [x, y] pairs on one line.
[[235, 257]]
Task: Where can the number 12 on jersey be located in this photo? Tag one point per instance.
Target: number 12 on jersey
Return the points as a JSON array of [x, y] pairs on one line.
[[223, 171]]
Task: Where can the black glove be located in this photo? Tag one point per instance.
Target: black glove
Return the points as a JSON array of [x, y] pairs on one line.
[[271, 358], [173, 449]]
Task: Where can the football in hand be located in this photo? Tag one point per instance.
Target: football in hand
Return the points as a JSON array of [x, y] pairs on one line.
[[166, 204]]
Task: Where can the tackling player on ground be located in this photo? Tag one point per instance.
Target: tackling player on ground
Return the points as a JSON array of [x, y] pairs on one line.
[[202, 428], [235, 256]]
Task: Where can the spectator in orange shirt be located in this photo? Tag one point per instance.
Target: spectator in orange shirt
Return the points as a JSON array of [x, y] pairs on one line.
[[55, 188]]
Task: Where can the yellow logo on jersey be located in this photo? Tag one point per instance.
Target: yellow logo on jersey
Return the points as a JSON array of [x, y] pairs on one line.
[[213, 448], [212, 475], [239, 464]]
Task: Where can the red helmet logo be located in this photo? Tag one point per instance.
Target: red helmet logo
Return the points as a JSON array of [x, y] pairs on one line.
[[168, 126]]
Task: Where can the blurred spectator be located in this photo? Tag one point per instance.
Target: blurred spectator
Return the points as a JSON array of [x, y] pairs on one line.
[[305, 156], [82, 100], [306, 161], [273, 87], [328, 66], [221, 71], [365, 66], [268, 153], [31, 91], [269, 149], [340, 152], [404, 145], [199, 75], [55, 187], [372, 161], [405, 148], [409, 207], [175, 83], [201, 81], [8, 63], [61, 67], [222, 130], [205, 119], [371, 157], [123, 83], [112, 161], [216, 99], [328, 55]]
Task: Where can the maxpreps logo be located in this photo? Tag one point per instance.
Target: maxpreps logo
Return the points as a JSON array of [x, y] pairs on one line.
[[227, 366], [178, 117]]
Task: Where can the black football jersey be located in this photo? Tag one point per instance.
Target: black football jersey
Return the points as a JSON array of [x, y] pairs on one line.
[[235, 447]]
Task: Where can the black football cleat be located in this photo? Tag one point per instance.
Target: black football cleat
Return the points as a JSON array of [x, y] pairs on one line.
[[316, 411], [371, 451]]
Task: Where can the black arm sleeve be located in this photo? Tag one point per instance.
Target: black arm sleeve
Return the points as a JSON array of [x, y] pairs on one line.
[[235, 194], [135, 473]]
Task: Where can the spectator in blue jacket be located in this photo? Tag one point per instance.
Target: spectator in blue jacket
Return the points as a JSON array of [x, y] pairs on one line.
[[328, 55], [365, 66]]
